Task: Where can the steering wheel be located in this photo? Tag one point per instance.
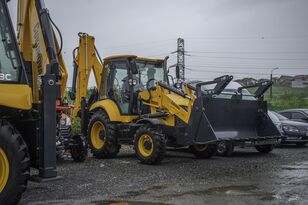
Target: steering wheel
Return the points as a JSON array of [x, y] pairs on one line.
[[150, 88], [148, 84]]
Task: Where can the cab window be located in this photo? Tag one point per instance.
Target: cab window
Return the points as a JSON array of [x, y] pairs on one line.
[[10, 65], [148, 71], [297, 115]]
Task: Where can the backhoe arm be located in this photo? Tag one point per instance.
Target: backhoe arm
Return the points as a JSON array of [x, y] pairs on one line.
[[86, 59], [39, 46]]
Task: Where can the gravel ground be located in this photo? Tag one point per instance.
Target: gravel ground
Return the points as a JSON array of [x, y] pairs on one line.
[[247, 177]]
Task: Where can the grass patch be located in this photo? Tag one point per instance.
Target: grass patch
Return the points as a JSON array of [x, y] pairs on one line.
[[285, 97]]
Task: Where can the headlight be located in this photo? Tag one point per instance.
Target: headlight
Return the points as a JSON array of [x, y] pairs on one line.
[[279, 127], [289, 128]]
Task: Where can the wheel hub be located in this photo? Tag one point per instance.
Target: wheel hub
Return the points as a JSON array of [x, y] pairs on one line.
[[221, 147], [4, 170], [102, 135], [98, 135], [147, 145]]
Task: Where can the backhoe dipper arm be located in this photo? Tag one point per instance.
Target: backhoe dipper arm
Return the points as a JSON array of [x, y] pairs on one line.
[[86, 59], [39, 46]]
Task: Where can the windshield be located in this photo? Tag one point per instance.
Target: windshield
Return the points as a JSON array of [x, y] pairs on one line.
[[273, 117], [9, 57], [280, 117], [150, 70], [306, 111]]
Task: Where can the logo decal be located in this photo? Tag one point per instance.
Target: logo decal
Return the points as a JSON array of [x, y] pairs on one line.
[[6, 77]]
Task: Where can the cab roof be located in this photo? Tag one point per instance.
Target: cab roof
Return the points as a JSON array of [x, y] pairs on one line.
[[109, 58]]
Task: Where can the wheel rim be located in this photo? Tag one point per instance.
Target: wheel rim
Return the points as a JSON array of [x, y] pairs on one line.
[[98, 134], [201, 147], [221, 147], [145, 145], [4, 169]]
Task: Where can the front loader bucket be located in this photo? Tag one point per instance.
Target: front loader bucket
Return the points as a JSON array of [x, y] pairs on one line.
[[221, 119], [230, 117]]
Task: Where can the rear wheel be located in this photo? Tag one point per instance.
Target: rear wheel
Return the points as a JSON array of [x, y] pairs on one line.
[[265, 148], [14, 164], [149, 145], [203, 151], [102, 138], [225, 149]]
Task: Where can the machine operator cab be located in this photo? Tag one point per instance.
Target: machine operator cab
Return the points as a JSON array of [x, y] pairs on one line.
[[125, 76], [13, 81]]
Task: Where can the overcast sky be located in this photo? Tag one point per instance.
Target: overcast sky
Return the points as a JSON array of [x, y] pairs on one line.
[[245, 38]]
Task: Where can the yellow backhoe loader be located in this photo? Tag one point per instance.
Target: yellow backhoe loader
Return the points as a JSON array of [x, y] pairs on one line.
[[135, 105], [32, 78]]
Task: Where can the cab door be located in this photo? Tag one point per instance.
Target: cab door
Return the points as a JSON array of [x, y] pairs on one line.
[[118, 87]]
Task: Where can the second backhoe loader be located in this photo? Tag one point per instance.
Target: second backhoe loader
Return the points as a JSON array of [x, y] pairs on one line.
[[135, 105]]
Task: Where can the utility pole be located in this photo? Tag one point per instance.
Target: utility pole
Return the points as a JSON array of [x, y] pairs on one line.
[[271, 91], [180, 66]]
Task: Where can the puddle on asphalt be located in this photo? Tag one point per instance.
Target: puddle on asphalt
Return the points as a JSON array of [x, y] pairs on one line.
[[144, 191], [295, 173], [298, 166], [110, 202], [234, 190]]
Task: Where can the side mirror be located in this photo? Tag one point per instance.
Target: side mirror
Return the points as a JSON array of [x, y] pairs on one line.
[[172, 79], [133, 67]]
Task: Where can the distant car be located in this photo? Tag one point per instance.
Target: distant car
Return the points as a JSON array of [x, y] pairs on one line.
[[293, 132], [300, 115]]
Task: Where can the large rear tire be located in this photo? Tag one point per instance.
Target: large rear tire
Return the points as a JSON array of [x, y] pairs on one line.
[[149, 145], [14, 164], [265, 148], [204, 151], [102, 136]]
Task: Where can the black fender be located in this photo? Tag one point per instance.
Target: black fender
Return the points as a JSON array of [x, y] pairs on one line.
[[152, 121]]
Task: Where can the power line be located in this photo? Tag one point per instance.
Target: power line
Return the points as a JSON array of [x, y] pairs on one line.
[[245, 68], [248, 58], [232, 72], [247, 37], [251, 52], [139, 44]]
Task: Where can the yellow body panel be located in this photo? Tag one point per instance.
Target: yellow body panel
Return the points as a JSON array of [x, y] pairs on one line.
[[16, 96], [174, 104], [111, 108]]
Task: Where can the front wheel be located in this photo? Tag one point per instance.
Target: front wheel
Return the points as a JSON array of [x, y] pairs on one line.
[[265, 148], [14, 164], [203, 151], [149, 145]]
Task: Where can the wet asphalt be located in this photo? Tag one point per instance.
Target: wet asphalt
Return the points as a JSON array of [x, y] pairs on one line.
[[247, 177]]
